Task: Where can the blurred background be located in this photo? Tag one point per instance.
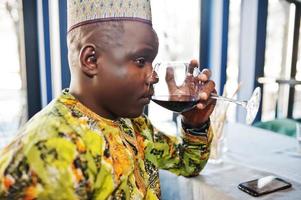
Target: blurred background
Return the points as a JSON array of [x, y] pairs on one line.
[[245, 43]]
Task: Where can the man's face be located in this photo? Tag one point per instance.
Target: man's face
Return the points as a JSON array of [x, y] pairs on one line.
[[123, 85]]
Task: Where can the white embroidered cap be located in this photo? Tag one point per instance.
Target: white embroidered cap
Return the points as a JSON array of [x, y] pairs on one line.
[[81, 12]]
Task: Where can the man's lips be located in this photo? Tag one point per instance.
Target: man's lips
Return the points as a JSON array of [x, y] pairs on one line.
[[147, 97], [149, 93]]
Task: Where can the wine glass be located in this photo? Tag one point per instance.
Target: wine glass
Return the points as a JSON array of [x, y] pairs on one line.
[[178, 89]]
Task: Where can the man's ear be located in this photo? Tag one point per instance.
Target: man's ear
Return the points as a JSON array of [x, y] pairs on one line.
[[88, 60]]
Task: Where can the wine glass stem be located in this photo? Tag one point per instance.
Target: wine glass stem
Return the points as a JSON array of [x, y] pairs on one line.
[[241, 103]]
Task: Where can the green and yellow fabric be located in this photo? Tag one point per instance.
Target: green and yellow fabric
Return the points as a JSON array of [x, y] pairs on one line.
[[68, 152]]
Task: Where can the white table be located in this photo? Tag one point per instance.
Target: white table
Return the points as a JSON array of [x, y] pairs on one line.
[[253, 153]]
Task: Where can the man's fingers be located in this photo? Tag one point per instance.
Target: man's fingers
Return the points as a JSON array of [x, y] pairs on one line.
[[204, 104], [206, 91], [192, 65], [209, 101], [204, 75], [170, 79]]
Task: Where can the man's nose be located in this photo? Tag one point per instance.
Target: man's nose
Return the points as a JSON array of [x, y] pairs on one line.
[[152, 76]]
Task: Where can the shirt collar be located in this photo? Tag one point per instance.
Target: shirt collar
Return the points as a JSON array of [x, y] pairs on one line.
[[74, 104]]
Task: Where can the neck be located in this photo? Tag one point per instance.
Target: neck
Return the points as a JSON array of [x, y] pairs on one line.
[[87, 99]]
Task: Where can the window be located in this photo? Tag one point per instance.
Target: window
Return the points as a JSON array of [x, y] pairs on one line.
[[275, 59], [233, 54], [12, 74], [297, 101]]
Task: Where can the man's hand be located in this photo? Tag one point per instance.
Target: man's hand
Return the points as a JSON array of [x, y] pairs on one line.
[[201, 84], [204, 108]]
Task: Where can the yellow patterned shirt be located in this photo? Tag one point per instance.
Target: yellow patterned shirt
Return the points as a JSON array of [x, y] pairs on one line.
[[68, 152]]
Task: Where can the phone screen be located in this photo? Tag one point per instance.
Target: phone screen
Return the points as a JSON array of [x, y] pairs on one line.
[[264, 185]]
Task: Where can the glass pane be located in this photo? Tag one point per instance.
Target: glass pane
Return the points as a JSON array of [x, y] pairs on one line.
[[233, 54], [275, 55], [297, 103], [12, 85], [177, 24]]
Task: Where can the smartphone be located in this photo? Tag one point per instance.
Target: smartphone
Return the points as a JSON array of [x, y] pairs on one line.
[[264, 185]]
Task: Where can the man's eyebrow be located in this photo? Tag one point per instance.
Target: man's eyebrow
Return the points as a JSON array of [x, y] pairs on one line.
[[145, 51]]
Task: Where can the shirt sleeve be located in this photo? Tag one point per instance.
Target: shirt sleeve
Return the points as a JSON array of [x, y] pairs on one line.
[[186, 155]]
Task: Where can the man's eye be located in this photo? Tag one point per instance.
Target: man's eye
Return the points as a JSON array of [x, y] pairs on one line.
[[140, 62]]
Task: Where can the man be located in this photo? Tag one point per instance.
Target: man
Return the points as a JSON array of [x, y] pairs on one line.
[[93, 142]]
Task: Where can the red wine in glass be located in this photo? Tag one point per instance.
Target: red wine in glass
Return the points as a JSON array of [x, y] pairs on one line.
[[176, 103]]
